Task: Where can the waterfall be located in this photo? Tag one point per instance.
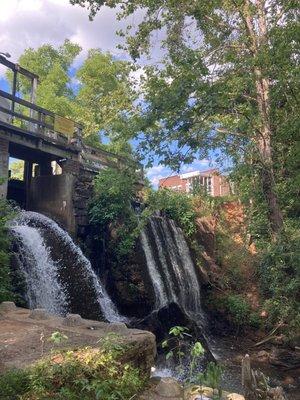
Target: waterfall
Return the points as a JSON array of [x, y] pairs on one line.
[[58, 276], [171, 268], [159, 290], [43, 287]]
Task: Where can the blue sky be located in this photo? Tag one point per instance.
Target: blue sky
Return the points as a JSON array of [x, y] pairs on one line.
[[31, 23]]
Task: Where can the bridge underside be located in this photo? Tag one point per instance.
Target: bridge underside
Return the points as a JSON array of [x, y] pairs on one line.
[[63, 193], [35, 146], [34, 151]]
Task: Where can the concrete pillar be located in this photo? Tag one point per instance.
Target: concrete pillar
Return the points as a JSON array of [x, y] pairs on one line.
[[27, 181], [4, 160], [46, 168]]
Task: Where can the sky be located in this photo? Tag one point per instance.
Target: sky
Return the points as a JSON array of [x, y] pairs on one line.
[[32, 23]]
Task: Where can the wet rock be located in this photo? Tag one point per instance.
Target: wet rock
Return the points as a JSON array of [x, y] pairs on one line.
[[38, 313], [7, 306], [198, 392], [160, 322], [169, 388], [73, 320], [234, 396], [129, 284], [117, 327]]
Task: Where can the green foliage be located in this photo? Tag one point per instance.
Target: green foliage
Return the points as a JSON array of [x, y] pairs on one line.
[[279, 273], [51, 65], [14, 383], [236, 309], [111, 342], [216, 58], [212, 377], [100, 97], [177, 206], [58, 337], [114, 192], [105, 97], [17, 170], [239, 309], [180, 347], [74, 375], [6, 213]]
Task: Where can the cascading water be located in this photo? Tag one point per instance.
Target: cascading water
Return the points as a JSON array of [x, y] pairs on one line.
[[158, 285], [58, 276], [171, 268], [174, 280], [43, 287]]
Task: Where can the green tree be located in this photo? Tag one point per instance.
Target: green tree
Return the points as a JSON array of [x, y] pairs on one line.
[[17, 169], [101, 99], [6, 213], [52, 66], [106, 97], [227, 81]]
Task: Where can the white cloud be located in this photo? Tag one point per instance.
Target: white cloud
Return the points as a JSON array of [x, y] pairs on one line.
[[31, 23], [155, 170]]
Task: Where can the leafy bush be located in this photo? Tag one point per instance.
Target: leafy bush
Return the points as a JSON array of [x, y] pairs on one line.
[[14, 383], [74, 375], [238, 309], [189, 357], [177, 206], [6, 213], [114, 193], [279, 273]]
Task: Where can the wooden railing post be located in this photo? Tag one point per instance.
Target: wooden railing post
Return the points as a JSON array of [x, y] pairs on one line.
[[14, 90]]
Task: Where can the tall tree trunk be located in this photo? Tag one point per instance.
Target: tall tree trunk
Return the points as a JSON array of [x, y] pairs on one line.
[[259, 41]]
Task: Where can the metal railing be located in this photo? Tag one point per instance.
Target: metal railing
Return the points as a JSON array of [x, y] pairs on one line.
[[35, 119], [27, 115]]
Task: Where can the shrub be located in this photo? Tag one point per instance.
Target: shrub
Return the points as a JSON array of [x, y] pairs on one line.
[[239, 309], [279, 274], [74, 375], [114, 193], [177, 206], [6, 213], [13, 383]]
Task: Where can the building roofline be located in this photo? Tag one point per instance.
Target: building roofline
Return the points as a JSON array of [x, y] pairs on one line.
[[190, 174]]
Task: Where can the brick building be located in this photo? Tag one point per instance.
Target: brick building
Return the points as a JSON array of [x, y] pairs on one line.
[[211, 180]]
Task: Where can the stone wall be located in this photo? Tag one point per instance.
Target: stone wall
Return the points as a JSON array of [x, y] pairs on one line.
[[53, 195], [83, 191], [64, 197]]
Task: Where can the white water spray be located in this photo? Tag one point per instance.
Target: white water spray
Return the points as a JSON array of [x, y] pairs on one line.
[[171, 268], [41, 272]]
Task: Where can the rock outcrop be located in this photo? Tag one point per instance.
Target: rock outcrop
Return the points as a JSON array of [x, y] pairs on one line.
[[24, 340]]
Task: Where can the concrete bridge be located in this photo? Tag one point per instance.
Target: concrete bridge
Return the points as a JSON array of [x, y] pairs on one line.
[[58, 166]]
